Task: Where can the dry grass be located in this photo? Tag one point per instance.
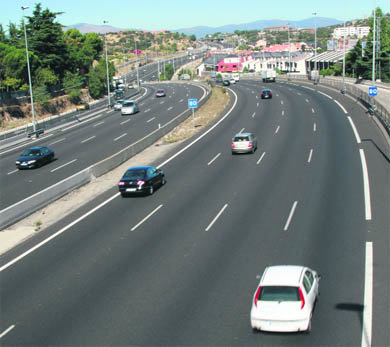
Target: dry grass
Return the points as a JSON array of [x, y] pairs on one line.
[[206, 114]]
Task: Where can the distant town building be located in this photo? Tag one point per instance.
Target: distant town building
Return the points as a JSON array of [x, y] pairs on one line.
[[283, 47], [277, 28], [359, 32]]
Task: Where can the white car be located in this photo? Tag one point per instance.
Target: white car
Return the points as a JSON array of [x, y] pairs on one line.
[[284, 299], [232, 81], [118, 104], [129, 107]]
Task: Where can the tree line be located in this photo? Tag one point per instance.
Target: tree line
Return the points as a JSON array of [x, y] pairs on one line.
[[59, 60]]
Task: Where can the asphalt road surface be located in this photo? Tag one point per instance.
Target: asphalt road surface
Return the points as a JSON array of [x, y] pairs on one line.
[[179, 267]]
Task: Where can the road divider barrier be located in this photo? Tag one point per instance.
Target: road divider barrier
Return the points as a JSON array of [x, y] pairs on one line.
[[22, 209]]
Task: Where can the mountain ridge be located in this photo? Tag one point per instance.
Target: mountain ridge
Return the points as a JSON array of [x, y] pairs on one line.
[[201, 30]]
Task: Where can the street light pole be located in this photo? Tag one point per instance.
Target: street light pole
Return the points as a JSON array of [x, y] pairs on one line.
[[315, 41], [136, 53], [289, 49], [343, 89], [108, 79], [29, 76]]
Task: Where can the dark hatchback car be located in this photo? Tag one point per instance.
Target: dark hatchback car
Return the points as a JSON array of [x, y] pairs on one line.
[[141, 179], [226, 82], [266, 94], [34, 157]]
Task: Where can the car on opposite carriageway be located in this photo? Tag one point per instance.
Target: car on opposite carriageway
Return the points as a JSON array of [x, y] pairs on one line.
[[34, 157]]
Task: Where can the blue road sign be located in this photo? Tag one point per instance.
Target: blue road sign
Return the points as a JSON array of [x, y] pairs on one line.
[[192, 103], [373, 91]]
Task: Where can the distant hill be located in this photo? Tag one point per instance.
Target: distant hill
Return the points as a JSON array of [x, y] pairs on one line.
[[90, 28], [201, 31]]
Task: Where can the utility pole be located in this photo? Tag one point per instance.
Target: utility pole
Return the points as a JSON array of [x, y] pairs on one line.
[[108, 78], [29, 76], [343, 88]]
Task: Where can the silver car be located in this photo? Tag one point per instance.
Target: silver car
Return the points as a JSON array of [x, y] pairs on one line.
[[118, 104], [129, 107], [244, 143]]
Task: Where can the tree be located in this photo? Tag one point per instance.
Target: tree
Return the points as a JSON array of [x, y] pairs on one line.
[[359, 60], [72, 84], [193, 38], [97, 78], [46, 40]]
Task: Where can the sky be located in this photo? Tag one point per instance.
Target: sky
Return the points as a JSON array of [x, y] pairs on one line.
[[179, 14]]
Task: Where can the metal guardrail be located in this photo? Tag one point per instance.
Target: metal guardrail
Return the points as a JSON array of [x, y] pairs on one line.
[[16, 212], [379, 110]]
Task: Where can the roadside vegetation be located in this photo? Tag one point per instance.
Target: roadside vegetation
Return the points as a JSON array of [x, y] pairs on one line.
[[212, 109]]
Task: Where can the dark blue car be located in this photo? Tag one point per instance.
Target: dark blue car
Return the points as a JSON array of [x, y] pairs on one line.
[[34, 157], [141, 179]]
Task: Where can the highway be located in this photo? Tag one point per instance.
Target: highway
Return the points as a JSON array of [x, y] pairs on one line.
[[179, 267], [80, 145]]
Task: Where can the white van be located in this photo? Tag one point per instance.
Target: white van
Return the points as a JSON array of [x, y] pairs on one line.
[[236, 77]]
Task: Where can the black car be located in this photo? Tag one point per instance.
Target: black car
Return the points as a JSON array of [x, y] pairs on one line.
[[218, 80], [226, 82], [34, 157], [141, 179], [266, 94]]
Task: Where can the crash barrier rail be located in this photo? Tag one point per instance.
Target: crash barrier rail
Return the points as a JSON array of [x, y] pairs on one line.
[[45, 124], [377, 109], [16, 212]]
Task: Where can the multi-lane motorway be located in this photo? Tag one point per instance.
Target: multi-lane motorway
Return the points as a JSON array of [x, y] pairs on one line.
[[180, 267], [80, 145]]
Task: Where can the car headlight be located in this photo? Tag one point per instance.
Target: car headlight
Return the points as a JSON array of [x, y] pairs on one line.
[[31, 161], [17, 162]]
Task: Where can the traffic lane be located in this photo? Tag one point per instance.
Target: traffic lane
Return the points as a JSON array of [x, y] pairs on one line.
[[89, 138], [197, 205]]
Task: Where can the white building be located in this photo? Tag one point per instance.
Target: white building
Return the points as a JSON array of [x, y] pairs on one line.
[[360, 32]]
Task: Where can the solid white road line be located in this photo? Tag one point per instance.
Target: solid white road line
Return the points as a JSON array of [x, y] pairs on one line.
[[88, 139], [242, 130], [150, 119], [366, 185], [354, 130], [119, 137], [97, 124], [341, 106], [60, 167], [310, 155], [11, 172], [216, 217], [368, 295], [4, 267], [125, 121], [261, 158], [60, 140], [294, 206], [325, 94], [212, 160], [315, 127], [146, 218], [277, 129], [5, 332]]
